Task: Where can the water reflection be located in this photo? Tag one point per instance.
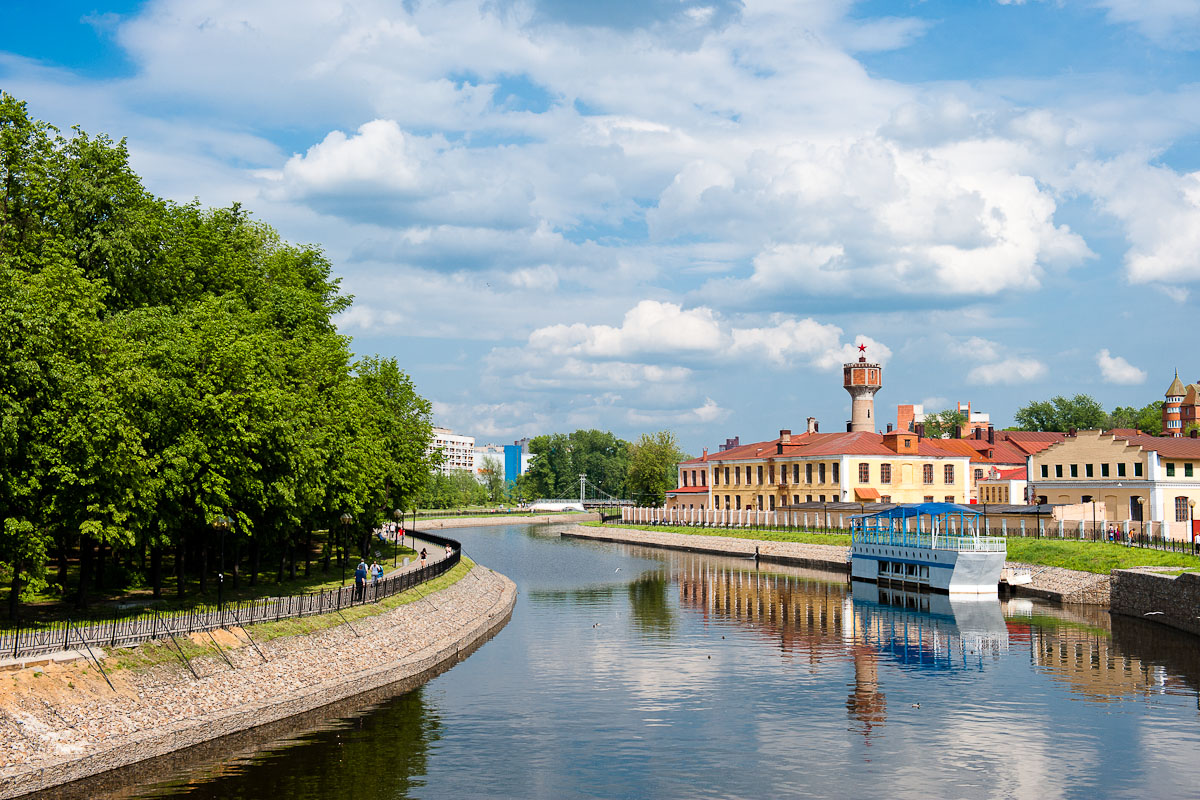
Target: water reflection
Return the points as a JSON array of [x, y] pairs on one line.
[[628, 672]]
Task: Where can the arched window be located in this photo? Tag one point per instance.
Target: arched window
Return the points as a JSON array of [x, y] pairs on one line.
[[1181, 509]]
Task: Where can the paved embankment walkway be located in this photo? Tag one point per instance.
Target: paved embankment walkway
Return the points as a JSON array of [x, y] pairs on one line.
[[1051, 583], [63, 723], [435, 524]]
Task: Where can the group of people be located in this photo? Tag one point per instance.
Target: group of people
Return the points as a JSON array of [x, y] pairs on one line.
[[375, 572]]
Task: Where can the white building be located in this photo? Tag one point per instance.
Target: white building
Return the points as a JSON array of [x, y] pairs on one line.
[[458, 451], [485, 452]]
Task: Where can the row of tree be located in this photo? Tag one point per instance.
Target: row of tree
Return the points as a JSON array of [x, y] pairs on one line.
[[642, 471], [1082, 412], [166, 366]]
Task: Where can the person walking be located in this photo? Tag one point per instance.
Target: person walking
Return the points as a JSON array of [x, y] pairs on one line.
[[376, 572], [360, 579], [423, 556]]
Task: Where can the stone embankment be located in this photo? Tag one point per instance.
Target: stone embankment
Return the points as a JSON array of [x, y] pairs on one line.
[[1051, 583], [1155, 594], [62, 723]]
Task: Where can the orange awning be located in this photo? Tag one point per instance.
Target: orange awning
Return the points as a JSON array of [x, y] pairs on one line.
[[866, 494]]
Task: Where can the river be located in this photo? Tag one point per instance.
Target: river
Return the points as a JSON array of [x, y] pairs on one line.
[[628, 672]]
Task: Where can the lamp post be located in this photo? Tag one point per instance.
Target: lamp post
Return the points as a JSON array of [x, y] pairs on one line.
[[221, 524], [398, 514], [985, 527], [825, 506], [346, 520]]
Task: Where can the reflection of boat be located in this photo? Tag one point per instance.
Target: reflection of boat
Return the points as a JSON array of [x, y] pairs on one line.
[[933, 546], [930, 631]]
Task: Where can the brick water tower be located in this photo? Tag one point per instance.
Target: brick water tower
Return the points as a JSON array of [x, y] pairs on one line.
[[862, 380]]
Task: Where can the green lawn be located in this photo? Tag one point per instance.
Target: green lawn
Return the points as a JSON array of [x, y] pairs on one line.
[[1085, 556]]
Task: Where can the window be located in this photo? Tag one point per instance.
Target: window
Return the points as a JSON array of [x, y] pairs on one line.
[[737, 476], [1137, 469], [949, 498], [749, 475], [760, 504], [928, 498], [1181, 509], [795, 473], [771, 473], [726, 502], [760, 471], [694, 478], [808, 498], [835, 472], [822, 498], [737, 498], [727, 476], [1187, 470], [885, 473], [864, 472], [772, 499], [1104, 470], [821, 472], [885, 498], [1058, 470], [684, 476], [1087, 470], [1045, 470], [1121, 470], [796, 499], [1087, 498], [948, 474], [1074, 470], [927, 475], [978, 474], [808, 473], [1170, 469]]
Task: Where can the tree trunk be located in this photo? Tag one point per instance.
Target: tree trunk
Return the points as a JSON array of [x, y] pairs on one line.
[[180, 574], [308, 550], [99, 566], [328, 553], [254, 554], [156, 571], [237, 573], [62, 565], [85, 571], [292, 557], [14, 592], [204, 566]]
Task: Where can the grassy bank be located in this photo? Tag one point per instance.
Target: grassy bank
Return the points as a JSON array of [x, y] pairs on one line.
[[152, 653], [1085, 556]]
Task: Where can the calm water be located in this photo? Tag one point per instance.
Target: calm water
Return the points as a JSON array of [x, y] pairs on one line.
[[628, 672]]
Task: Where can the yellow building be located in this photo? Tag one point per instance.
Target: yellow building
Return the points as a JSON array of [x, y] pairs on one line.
[[1137, 477], [897, 467]]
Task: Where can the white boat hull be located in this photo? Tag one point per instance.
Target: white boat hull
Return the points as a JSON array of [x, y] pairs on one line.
[[967, 572]]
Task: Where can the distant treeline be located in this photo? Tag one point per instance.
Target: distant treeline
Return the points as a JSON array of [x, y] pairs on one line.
[[166, 366]]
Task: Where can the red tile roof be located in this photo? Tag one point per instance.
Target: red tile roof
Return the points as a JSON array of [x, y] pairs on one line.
[[1170, 446], [858, 443], [689, 490]]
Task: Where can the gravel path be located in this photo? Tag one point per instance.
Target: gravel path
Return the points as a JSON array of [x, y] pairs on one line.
[[65, 723]]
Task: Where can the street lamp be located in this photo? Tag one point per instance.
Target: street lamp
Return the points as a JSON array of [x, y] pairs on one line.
[[825, 506], [221, 524], [396, 539], [346, 520]]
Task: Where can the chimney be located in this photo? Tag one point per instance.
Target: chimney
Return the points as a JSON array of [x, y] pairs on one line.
[[991, 435], [889, 430], [812, 425], [785, 437], [849, 426], [958, 431], [978, 434], [1070, 432], [706, 453], [920, 430]]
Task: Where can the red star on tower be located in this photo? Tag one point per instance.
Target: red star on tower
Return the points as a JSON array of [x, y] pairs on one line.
[[862, 348]]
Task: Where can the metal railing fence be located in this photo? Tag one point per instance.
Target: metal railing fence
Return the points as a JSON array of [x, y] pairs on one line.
[[122, 628]]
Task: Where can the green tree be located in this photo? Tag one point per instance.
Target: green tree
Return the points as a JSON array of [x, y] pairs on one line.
[[1081, 412], [1147, 419], [653, 467], [942, 424], [559, 459], [492, 471]]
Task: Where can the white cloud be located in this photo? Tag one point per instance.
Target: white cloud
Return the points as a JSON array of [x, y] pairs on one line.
[[1114, 369], [1010, 370], [1169, 22]]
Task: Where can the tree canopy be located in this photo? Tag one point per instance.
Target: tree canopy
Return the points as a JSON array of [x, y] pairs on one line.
[[653, 467], [560, 458], [1084, 412], [166, 364]]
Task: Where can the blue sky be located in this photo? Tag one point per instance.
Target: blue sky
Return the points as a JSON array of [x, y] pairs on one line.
[[685, 214]]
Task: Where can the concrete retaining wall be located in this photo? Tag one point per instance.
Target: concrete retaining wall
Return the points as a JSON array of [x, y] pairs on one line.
[[164, 710], [1167, 599]]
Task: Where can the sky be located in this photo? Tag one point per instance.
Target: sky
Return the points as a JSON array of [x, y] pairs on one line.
[[641, 215]]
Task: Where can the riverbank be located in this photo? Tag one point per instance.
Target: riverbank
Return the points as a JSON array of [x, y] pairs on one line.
[[1051, 583], [61, 722]]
